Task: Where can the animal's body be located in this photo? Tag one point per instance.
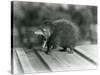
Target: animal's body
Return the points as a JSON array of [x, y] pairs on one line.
[[64, 34]]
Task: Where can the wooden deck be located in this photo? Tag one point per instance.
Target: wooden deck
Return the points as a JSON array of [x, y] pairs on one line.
[[30, 61]]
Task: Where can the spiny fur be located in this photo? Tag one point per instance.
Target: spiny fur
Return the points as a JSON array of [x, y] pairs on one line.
[[64, 34]]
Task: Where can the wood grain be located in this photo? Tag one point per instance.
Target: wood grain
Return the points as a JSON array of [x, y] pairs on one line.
[[24, 61]]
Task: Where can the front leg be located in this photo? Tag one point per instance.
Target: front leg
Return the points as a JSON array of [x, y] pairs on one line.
[[48, 49]]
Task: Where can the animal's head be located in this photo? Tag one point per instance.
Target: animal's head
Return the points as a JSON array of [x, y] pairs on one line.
[[45, 29]]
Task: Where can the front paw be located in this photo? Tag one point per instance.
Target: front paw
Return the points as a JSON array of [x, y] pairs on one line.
[[47, 52]]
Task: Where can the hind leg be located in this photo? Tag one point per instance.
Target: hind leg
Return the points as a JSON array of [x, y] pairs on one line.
[[69, 50], [63, 50]]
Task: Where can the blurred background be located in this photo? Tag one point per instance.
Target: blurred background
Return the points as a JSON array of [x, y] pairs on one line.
[[28, 16]]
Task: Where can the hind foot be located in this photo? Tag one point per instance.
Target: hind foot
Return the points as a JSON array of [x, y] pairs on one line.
[[69, 50], [62, 50]]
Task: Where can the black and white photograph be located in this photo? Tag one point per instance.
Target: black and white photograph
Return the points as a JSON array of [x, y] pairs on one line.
[[53, 37]]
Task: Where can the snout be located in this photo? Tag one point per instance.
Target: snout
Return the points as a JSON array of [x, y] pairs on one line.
[[38, 32]]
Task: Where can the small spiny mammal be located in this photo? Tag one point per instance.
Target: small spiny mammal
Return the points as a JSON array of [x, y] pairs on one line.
[[61, 33], [64, 34]]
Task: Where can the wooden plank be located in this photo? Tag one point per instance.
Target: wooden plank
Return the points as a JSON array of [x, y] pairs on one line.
[[24, 61], [72, 61], [53, 64], [17, 69], [35, 61], [89, 52], [58, 61], [65, 65]]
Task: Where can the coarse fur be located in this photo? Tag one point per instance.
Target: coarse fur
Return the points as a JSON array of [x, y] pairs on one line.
[[64, 34]]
